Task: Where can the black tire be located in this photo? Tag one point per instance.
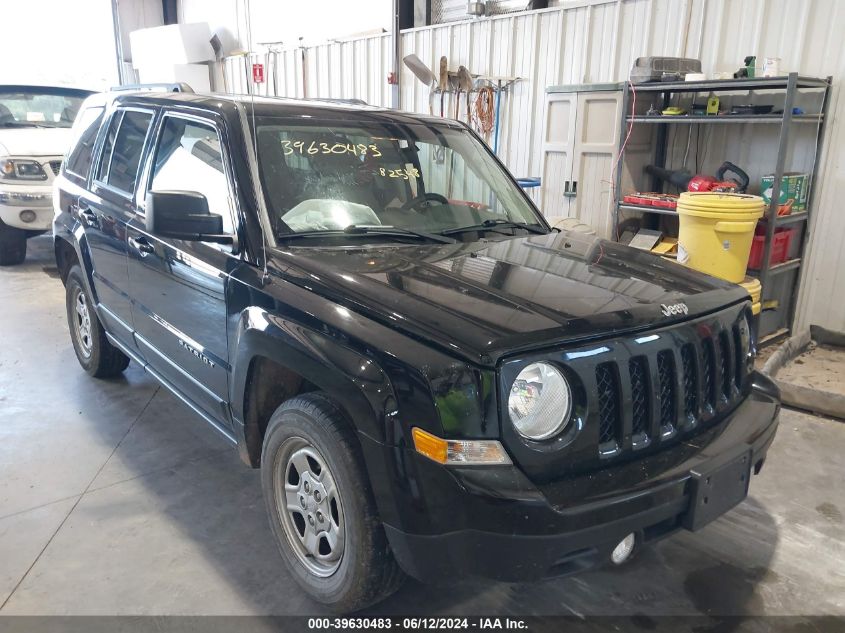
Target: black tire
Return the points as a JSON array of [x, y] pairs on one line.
[[93, 350], [366, 571], [12, 245]]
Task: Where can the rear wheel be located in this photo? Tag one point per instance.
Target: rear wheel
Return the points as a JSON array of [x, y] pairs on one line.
[[321, 508], [12, 245], [93, 350]]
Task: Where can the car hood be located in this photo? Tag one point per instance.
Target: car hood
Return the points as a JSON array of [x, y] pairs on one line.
[[484, 300], [34, 141]]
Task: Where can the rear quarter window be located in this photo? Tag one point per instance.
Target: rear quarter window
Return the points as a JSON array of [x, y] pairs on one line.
[[121, 155]]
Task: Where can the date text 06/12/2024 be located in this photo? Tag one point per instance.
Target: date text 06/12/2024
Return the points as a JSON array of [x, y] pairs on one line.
[[418, 623]]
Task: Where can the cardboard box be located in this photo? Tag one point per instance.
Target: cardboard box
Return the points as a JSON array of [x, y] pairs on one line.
[[668, 246], [793, 192], [171, 44]]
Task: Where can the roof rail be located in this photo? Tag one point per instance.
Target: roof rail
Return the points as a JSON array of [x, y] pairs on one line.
[[163, 87], [343, 101]]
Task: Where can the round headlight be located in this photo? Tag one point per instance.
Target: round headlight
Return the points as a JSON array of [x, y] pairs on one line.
[[540, 401]]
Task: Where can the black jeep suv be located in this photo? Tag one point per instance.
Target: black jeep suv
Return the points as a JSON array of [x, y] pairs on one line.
[[431, 380]]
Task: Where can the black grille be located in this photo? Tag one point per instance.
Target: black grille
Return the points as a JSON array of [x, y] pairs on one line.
[[666, 378], [55, 165], [668, 387], [690, 381], [740, 360], [708, 382], [725, 364], [639, 394], [607, 384]]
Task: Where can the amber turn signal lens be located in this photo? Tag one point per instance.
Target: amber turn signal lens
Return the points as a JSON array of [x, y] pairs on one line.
[[459, 452], [430, 445]]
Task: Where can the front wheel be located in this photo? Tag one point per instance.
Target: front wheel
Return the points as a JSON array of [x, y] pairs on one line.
[[321, 508], [93, 350], [12, 245]]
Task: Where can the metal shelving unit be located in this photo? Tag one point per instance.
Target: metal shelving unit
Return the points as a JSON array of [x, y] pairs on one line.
[[723, 118], [789, 85]]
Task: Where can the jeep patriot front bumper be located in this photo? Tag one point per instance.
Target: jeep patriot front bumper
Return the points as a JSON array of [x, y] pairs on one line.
[[493, 522]]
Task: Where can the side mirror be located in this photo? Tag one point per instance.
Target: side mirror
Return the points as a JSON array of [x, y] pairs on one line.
[[183, 215]]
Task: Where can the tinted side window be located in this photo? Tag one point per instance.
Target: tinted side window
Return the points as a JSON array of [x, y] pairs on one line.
[[108, 144], [85, 132], [189, 158], [126, 155]]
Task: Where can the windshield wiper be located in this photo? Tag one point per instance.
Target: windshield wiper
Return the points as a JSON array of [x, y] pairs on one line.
[[497, 224], [387, 229], [371, 229], [19, 124]]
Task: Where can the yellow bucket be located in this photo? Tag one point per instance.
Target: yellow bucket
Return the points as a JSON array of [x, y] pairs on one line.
[[755, 290], [716, 232], [753, 287]]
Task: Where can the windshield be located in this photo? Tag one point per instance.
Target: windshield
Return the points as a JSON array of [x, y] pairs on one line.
[[38, 107], [416, 177]]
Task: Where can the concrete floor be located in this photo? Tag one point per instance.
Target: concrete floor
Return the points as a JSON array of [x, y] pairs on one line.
[[116, 499], [820, 368]]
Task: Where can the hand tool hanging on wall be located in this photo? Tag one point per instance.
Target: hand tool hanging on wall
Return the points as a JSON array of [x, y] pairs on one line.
[[443, 83], [424, 74], [457, 98], [465, 84]]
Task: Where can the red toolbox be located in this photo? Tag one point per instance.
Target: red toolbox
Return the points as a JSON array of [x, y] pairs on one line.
[[780, 246]]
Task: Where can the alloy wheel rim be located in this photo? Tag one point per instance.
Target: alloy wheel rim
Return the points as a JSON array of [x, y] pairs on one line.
[[309, 507], [82, 322]]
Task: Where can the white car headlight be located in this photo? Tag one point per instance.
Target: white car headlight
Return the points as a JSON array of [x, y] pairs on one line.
[[21, 169], [540, 401]]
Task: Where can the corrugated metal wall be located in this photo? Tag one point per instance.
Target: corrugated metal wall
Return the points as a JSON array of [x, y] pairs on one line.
[[597, 41], [341, 70]]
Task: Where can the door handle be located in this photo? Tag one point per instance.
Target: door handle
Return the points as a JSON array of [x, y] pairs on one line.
[[88, 217], [568, 191], [141, 245]]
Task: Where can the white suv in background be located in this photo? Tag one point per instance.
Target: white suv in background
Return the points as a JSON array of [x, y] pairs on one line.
[[35, 132]]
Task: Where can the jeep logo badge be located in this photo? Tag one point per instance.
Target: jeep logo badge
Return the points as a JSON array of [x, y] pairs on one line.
[[675, 308]]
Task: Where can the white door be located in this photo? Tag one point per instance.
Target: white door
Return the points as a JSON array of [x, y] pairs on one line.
[[595, 148], [558, 145]]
